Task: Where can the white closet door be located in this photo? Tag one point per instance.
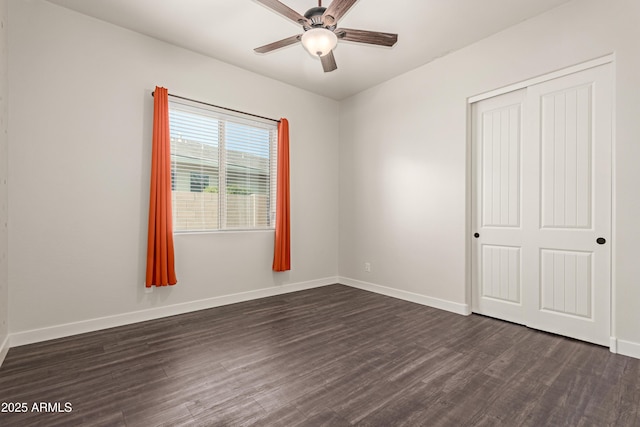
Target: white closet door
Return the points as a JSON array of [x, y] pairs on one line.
[[540, 213], [570, 125], [497, 203]]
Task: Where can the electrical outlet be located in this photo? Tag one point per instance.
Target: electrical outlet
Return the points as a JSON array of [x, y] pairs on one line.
[[367, 267]]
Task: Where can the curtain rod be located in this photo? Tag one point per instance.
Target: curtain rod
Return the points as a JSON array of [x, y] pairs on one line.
[[223, 108]]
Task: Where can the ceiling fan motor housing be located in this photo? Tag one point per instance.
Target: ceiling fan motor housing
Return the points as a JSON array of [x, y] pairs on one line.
[[314, 15]]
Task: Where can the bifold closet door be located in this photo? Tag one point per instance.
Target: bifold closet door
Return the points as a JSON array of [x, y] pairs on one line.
[[542, 205]]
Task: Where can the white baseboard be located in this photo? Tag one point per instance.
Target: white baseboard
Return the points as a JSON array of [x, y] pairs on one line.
[[441, 304], [4, 348], [626, 348], [90, 325]]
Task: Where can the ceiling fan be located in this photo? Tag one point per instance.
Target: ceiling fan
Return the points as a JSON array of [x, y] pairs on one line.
[[320, 31]]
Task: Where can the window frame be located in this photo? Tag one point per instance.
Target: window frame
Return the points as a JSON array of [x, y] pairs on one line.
[[223, 118]]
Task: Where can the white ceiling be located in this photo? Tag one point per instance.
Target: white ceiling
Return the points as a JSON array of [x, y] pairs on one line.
[[228, 30]]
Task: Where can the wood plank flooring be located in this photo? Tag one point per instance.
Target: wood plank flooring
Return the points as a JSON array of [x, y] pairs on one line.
[[332, 356]]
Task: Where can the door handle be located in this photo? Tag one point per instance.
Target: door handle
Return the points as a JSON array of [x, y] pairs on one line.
[[476, 235], [601, 240]]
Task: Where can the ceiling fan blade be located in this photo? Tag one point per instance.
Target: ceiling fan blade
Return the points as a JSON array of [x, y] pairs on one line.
[[369, 37], [336, 10], [277, 45], [285, 11], [328, 62]]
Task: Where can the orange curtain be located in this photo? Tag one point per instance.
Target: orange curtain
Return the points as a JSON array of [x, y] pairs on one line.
[[160, 259], [282, 249]]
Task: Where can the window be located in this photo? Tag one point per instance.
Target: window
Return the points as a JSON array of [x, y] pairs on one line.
[[223, 170]]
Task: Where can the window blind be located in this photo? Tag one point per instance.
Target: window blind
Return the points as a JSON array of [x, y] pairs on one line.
[[223, 169]]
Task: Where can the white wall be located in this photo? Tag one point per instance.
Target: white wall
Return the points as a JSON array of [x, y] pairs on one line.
[[79, 148], [403, 170], [4, 211]]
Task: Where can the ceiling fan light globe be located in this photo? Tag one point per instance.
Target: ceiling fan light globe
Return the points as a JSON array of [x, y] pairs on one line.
[[319, 41]]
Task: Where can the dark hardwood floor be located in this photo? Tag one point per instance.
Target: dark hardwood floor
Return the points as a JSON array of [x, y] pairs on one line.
[[332, 356]]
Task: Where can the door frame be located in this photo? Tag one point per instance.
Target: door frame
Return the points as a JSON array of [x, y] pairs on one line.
[[470, 171]]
